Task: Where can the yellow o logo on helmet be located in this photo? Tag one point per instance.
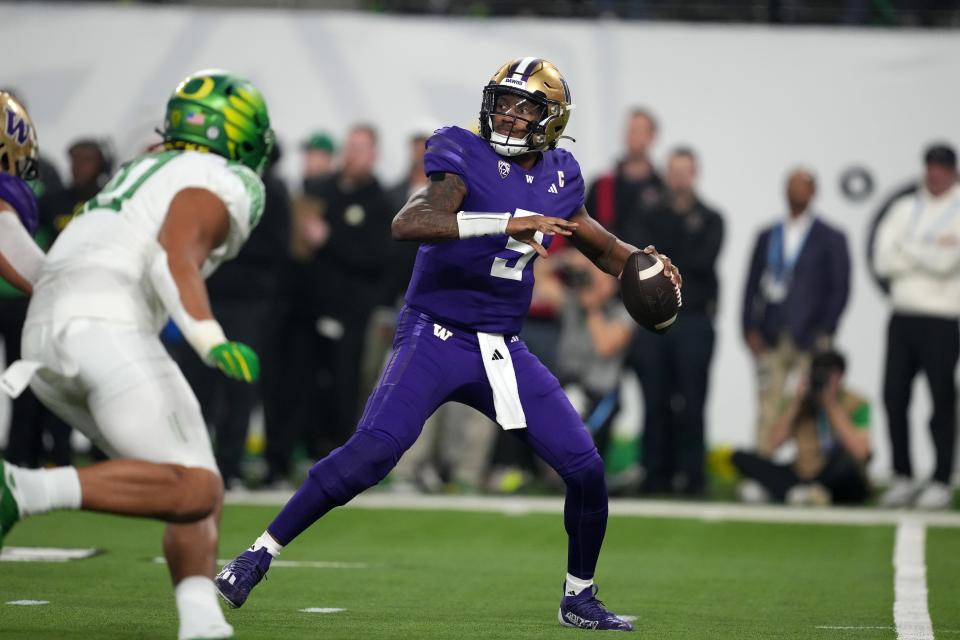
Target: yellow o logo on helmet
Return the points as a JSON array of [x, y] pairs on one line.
[[206, 87]]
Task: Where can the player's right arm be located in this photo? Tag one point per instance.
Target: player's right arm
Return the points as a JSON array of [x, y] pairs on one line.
[[196, 224], [433, 213], [20, 257]]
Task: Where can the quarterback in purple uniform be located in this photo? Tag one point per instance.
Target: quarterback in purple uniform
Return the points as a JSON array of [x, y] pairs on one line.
[[20, 257], [490, 207]]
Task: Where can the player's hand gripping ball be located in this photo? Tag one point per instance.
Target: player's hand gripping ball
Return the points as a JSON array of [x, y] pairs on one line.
[[648, 293]]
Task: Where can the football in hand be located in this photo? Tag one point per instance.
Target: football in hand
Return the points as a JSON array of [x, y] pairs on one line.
[[648, 294]]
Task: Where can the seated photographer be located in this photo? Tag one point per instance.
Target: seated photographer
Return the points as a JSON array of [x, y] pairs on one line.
[[595, 333], [829, 425]]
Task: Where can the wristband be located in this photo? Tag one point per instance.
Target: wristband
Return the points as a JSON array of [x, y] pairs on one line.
[[475, 225]]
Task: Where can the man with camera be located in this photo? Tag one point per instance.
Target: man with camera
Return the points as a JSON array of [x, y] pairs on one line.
[[595, 333], [829, 425]]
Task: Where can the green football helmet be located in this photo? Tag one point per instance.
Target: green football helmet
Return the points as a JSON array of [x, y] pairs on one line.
[[219, 112]]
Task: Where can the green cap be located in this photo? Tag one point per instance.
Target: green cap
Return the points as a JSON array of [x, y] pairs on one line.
[[319, 141]]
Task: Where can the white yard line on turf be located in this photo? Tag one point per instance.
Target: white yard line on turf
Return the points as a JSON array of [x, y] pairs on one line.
[[849, 628], [710, 511], [910, 613], [44, 554]]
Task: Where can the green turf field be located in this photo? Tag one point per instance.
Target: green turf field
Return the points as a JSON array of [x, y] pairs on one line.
[[452, 575]]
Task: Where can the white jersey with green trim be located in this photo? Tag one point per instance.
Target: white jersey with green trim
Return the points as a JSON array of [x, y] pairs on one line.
[[97, 268]]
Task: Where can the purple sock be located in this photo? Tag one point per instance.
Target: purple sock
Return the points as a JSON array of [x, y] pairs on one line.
[[585, 518]]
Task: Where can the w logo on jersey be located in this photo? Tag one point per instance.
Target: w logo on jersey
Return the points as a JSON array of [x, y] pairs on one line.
[[440, 332], [504, 168], [17, 128]]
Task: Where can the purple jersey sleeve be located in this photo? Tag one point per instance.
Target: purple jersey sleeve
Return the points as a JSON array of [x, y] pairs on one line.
[[448, 151], [18, 194]]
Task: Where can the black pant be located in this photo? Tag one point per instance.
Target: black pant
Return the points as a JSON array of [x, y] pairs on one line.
[[673, 369], [841, 476], [931, 345], [295, 387], [30, 420]]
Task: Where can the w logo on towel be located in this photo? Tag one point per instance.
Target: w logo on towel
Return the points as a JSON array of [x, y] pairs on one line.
[[496, 355]]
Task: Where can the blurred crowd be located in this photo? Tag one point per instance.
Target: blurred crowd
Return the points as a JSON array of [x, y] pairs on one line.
[[317, 288], [885, 13]]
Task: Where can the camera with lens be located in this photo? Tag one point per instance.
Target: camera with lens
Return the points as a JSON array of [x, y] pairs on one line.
[[574, 277], [823, 366]]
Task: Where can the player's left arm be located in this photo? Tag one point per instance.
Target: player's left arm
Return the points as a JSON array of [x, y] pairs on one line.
[[609, 252], [20, 257], [197, 223]]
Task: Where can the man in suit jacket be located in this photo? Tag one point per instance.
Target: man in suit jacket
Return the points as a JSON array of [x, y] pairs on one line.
[[796, 291]]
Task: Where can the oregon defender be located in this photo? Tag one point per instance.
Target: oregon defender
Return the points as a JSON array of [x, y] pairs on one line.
[[139, 252]]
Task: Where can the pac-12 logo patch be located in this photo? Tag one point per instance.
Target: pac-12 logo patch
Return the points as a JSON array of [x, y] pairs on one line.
[[504, 168]]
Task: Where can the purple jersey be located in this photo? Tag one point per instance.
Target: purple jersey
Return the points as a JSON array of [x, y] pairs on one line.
[[485, 284], [18, 194]]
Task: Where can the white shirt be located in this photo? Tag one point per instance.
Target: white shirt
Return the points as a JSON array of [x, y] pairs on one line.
[[97, 268], [917, 247], [794, 233]]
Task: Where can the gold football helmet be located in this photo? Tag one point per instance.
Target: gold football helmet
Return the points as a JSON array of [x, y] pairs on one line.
[[18, 139], [528, 89]]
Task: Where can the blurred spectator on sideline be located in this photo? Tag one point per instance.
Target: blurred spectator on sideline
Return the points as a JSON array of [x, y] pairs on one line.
[[348, 271], [243, 294], [91, 165], [674, 367], [617, 200], [796, 291], [318, 156], [917, 248], [829, 424], [292, 403], [595, 332]]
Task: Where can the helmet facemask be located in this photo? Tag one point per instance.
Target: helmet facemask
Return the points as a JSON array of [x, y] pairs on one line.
[[513, 120]]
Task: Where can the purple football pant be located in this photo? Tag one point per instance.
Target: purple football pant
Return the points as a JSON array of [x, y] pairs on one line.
[[425, 371]]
